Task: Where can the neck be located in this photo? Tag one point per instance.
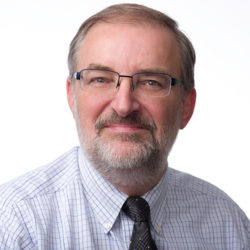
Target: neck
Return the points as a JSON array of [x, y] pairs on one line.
[[139, 189]]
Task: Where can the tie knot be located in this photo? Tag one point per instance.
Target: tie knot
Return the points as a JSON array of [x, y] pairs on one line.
[[136, 208]]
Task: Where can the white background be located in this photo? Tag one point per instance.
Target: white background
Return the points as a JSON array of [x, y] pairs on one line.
[[36, 125]]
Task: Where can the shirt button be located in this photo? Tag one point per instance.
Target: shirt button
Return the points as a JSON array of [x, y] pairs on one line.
[[107, 225], [158, 229]]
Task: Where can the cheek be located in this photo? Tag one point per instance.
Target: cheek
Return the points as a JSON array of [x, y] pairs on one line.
[[164, 113], [89, 109], [163, 117]]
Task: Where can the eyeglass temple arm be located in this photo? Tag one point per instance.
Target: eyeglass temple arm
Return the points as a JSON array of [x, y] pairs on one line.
[[76, 75], [176, 82]]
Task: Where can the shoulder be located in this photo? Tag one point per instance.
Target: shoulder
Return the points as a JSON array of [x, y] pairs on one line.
[[202, 196], [191, 184], [47, 179], [205, 204]]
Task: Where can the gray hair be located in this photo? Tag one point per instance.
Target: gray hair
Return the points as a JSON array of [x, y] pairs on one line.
[[134, 13]]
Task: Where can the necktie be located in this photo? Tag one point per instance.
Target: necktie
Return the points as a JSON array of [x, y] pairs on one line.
[[139, 211]]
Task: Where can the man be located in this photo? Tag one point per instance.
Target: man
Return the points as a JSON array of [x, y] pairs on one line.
[[130, 89]]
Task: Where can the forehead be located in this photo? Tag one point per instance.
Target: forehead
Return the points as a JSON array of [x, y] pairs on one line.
[[127, 47]]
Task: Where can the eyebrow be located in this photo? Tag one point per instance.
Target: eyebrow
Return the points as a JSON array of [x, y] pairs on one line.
[[145, 70], [153, 70], [99, 66]]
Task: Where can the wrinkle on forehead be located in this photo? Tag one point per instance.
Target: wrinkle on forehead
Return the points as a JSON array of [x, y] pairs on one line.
[[130, 43]]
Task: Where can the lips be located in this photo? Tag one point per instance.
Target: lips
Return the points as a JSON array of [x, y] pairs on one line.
[[121, 127]]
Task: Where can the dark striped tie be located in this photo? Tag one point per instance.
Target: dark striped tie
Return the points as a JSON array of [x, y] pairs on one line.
[[139, 211]]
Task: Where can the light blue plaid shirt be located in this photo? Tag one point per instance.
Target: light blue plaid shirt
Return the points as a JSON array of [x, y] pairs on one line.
[[68, 205]]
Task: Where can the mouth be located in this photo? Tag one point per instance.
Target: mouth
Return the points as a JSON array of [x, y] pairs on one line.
[[124, 128]]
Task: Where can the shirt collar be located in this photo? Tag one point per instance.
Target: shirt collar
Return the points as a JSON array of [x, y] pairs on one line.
[[105, 200], [156, 199]]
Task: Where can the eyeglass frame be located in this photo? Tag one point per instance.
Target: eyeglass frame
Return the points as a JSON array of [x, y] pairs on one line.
[[174, 81]]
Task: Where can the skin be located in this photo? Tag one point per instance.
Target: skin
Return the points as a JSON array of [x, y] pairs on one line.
[[127, 49]]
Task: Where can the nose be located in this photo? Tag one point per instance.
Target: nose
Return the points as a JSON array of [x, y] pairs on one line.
[[124, 102]]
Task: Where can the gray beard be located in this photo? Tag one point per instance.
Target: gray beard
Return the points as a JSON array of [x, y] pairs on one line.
[[140, 164], [143, 160]]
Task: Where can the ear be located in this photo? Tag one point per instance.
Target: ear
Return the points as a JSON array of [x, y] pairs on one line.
[[188, 104], [70, 95]]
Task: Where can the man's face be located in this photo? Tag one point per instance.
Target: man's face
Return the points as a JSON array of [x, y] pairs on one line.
[[123, 130]]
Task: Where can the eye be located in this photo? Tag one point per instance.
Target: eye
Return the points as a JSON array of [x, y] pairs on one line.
[[152, 83], [100, 80]]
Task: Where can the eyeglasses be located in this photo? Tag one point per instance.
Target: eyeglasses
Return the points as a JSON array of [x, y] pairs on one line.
[[100, 81]]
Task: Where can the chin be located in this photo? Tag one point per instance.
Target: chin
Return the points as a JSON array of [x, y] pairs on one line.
[[127, 162]]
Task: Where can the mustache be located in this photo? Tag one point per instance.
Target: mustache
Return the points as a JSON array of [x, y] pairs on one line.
[[133, 118]]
